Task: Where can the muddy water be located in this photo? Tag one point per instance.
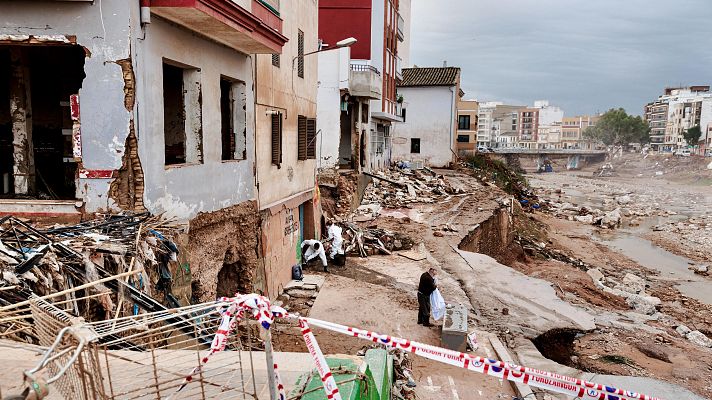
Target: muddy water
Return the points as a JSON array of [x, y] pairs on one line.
[[671, 266]]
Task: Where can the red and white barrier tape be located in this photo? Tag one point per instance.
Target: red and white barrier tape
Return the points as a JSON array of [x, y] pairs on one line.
[[261, 309], [542, 379], [266, 313], [330, 388]]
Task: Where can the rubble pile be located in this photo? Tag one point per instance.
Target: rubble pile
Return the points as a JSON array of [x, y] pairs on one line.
[[605, 170], [371, 241], [697, 230], [534, 248], [631, 288], [42, 261], [398, 188]]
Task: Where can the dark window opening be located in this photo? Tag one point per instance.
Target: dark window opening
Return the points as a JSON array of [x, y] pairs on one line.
[[182, 115], [464, 122], [276, 60], [403, 114], [306, 138], [463, 138], [415, 146], [36, 143], [277, 139], [233, 119], [300, 54]]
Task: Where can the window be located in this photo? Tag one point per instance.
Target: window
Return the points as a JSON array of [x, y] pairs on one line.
[[464, 122], [300, 54], [463, 138], [182, 115], [275, 60], [306, 138], [277, 139], [415, 145], [233, 119]]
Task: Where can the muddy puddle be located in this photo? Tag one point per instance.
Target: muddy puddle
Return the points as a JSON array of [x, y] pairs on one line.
[[671, 266]]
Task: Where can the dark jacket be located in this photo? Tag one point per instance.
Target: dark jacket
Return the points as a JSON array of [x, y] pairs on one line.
[[427, 284]]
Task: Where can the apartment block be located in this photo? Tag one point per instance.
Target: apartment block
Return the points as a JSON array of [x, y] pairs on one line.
[[674, 112], [382, 33], [467, 126], [572, 129]]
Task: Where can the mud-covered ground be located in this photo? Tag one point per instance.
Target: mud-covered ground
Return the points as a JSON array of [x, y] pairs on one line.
[[525, 295]]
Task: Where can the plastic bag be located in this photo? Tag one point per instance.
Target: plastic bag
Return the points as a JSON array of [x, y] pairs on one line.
[[297, 272], [437, 304]]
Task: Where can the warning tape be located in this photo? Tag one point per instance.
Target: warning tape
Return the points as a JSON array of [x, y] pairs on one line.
[[262, 310], [529, 376], [330, 388]]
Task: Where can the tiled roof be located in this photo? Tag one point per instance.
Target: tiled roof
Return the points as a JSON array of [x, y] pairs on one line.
[[437, 76]]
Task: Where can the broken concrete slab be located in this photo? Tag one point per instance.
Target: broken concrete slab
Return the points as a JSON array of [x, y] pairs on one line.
[[316, 280], [699, 339], [531, 301], [596, 274]]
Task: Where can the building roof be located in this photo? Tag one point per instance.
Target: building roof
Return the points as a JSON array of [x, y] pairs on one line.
[[431, 76]]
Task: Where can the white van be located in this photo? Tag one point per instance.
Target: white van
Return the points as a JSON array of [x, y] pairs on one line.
[[683, 152]]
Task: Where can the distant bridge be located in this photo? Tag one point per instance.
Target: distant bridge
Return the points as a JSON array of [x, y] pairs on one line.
[[532, 160], [543, 152]]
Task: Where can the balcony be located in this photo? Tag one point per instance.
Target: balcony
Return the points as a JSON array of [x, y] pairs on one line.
[[365, 81], [400, 28], [257, 31]]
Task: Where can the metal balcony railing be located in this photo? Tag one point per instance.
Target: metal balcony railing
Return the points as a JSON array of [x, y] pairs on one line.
[[365, 68]]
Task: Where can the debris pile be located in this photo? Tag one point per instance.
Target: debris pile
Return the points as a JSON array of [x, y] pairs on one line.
[[605, 170], [697, 230], [41, 261], [373, 240], [398, 188], [632, 289]]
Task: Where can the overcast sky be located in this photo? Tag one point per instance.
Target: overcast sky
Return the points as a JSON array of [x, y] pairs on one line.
[[582, 55]]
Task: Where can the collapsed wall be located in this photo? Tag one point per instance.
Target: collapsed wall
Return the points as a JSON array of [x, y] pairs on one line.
[[492, 236], [222, 251]]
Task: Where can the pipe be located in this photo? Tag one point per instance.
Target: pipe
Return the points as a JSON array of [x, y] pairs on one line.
[[145, 12]]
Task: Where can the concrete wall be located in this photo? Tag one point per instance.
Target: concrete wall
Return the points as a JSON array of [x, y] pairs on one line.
[[280, 89], [431, 117], [103, 29], [333, 77], [185, 190]]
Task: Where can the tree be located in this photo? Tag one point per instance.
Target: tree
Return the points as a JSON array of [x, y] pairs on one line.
[[692, 135], [617, 128]]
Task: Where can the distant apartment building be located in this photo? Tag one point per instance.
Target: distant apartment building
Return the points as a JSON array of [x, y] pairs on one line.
[[674, 112], [549, 127], [428, 133], [382, 32], [485, 123], [572, 129], [467, 115], [528, 128]]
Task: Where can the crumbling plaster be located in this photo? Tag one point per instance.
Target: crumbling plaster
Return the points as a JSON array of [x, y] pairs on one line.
[[182, 191], [103, 29]]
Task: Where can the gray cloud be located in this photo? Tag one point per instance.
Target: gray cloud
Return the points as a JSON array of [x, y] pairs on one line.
[[583, 55]]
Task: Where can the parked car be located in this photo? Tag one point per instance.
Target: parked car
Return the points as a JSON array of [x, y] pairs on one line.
[[683, 152], [481, 149]]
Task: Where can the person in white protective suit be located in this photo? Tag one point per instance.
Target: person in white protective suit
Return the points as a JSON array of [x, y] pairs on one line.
[[337, 241], [312, 249]]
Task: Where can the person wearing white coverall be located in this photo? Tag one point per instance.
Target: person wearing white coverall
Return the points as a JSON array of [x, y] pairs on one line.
[[312, 249], [335, 238]]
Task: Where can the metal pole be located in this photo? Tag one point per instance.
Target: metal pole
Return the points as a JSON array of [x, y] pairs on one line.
[[273, 393]]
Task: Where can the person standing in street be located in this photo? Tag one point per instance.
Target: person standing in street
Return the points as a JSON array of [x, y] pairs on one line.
[[425, 288]]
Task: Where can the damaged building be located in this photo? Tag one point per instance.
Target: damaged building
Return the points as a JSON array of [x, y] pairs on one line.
[[167, 107]]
